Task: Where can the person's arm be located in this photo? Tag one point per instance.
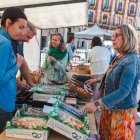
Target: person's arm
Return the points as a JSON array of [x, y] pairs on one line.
[[94, 80], [5, 51], [20, 60], [92, 106], [62, 65], [24, 69]]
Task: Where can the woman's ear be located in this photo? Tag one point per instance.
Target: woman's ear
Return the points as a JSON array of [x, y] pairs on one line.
[[8, 22]]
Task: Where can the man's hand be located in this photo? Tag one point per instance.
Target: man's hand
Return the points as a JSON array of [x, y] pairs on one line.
[[22, 85], [31, 84]]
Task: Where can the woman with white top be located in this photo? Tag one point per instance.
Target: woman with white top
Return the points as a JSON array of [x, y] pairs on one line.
[[99, 58]]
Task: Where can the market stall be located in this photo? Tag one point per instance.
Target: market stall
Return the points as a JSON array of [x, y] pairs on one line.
[[56, 136], [37, 99], [15, 128]]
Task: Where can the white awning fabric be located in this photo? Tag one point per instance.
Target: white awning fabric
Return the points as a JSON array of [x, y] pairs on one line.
[[10, 3], [58, 16], [51, 13], [91, 32]]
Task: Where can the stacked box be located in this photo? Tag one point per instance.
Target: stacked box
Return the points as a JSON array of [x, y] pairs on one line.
[[43, 93], [67, 121], [28, 128], [44, 97], [26, 110]]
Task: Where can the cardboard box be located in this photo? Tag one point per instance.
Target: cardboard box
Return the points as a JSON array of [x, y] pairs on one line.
[[28, 128], [41, 97], [82, 93], [67, 121], [66, 130], [82, 69], [49, 89], [26, 110], [44, 97], [27, 134], [43, 93]]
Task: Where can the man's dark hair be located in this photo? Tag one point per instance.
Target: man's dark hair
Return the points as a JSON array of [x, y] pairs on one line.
[[70, 38]]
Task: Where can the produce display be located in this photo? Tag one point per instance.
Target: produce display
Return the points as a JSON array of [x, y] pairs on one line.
[[82, 69], [68, 121], [44, 92], [33, 123], [32, 111], [72, 110], [69, 124], [48, 89], [29, 123], [81, 90], [81, 84], [35, 76], [26, 97], [45, 97], [73, 122], [28, 128]]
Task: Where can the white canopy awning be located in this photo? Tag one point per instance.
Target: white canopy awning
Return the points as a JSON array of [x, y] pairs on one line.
[[10, 3], [51, 13], [91, 32], [58, 16]]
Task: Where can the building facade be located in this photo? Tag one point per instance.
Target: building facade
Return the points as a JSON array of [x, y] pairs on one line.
[[110, 13]]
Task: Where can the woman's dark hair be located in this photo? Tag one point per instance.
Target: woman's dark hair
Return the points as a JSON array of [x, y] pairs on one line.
[[96, 41], [70, 38], [12, 13]]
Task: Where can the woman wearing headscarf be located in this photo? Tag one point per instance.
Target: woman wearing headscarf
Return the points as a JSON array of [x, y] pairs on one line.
[[57, 60]]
